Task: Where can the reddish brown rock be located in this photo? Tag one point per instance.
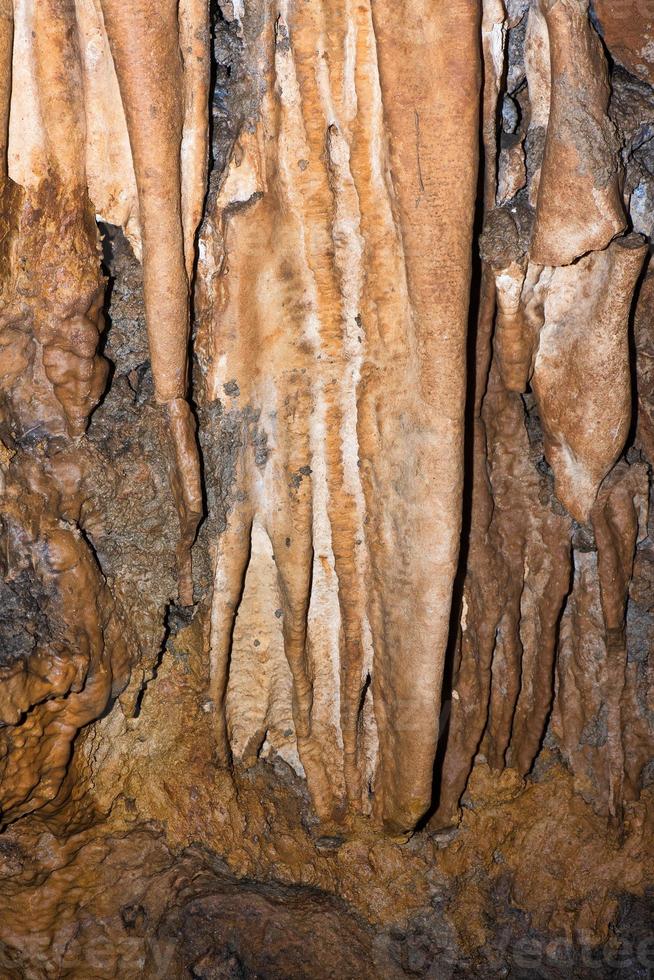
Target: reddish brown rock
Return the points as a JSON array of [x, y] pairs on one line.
[[628, 32], [396, 718]]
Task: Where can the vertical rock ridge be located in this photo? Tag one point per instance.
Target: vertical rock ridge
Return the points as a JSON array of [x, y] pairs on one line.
[[330, 194]]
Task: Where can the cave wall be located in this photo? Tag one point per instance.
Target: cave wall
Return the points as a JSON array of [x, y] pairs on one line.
[[325, 340], [331, 294]]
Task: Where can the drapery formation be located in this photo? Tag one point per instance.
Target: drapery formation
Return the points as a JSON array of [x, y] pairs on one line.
[[556, 517], [340, 345], [378, 408]]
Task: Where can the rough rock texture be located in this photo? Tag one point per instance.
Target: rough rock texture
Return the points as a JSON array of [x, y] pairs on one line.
[[353, 303], [628, 31]]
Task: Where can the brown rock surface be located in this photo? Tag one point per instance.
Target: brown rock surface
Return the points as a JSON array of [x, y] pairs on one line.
[[353, 303], [628, 32]]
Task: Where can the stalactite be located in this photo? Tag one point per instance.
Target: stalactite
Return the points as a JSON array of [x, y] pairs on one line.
[[547, 313], [580, 144], [168, 141], [588, 300], [317, 493], [466, 723]]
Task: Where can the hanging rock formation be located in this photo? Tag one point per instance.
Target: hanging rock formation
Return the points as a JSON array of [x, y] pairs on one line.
[[329, 481], [326, 435], [565, 282]]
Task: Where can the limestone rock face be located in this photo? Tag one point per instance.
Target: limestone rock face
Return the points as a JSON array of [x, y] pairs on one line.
[[350, 382], [326, 435], [628, 33]]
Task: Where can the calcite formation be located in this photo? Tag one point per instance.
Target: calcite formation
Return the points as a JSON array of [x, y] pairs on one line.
[[371, 312], [326, 435]]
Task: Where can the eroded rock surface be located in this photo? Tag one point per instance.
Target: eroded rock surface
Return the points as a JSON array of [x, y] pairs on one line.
[[353, 304]]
